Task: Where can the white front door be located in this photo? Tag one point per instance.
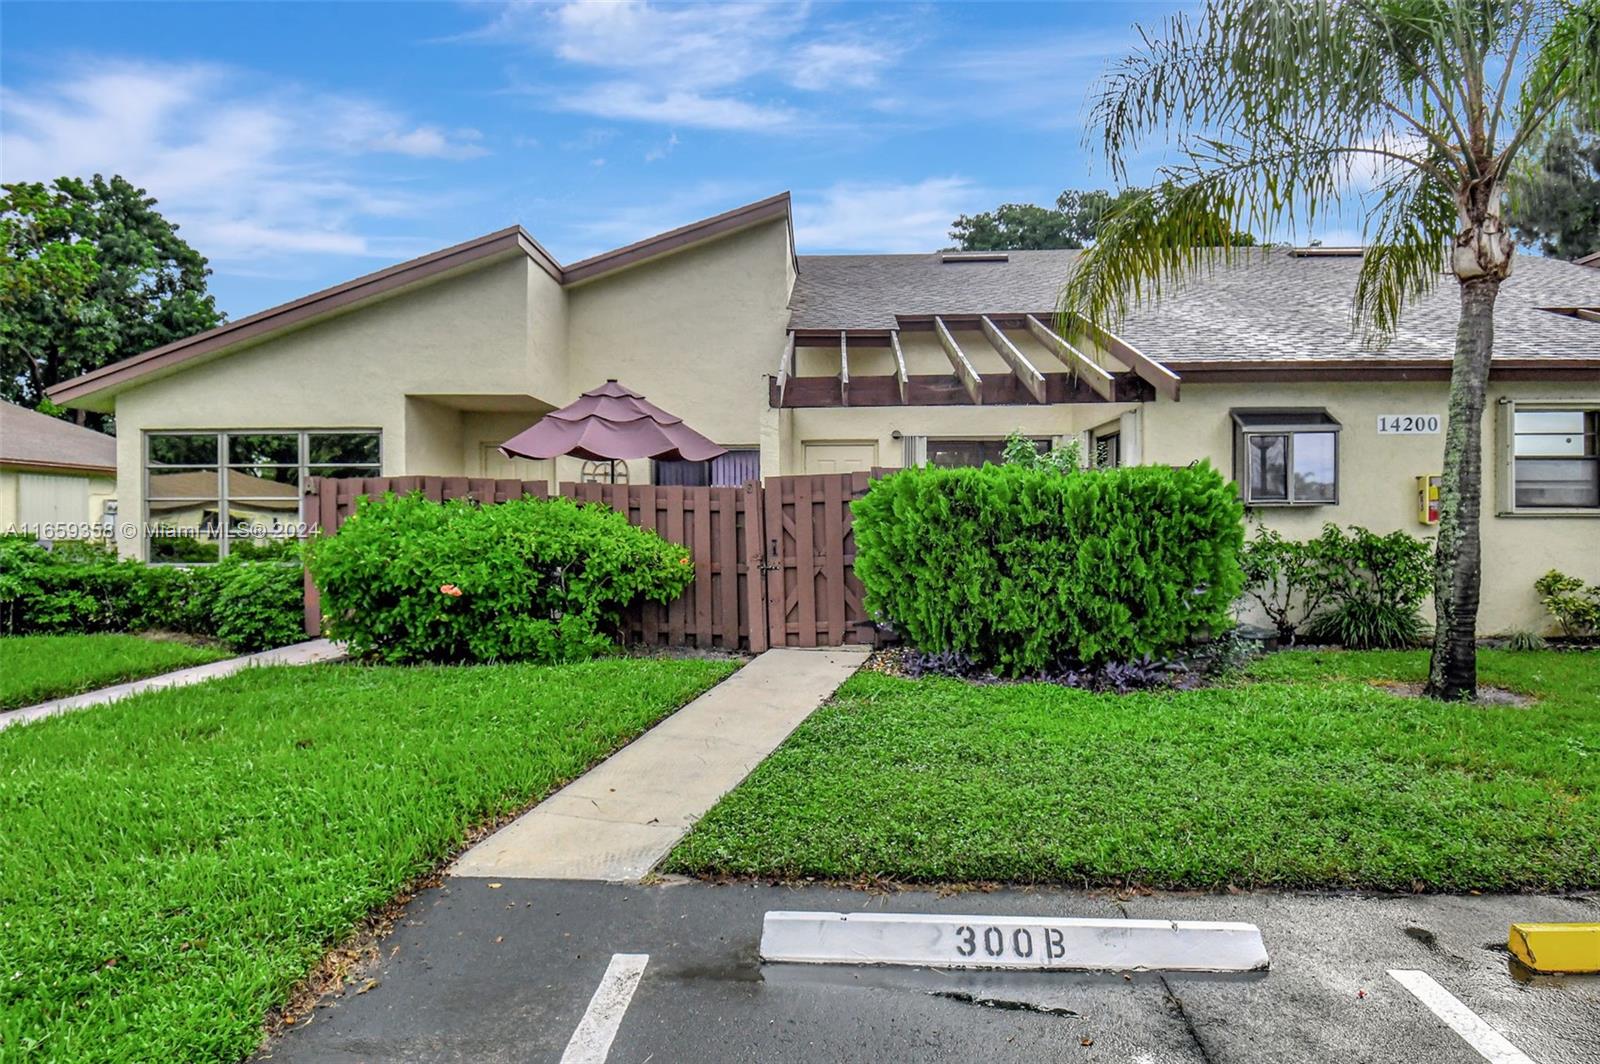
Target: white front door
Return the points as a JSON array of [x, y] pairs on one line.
[[841, 457]]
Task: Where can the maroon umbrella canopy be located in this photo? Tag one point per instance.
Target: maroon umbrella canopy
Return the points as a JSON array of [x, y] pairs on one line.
[[611, 422]]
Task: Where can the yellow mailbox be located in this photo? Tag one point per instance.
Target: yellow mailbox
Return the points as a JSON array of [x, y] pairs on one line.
[[1428, 500]]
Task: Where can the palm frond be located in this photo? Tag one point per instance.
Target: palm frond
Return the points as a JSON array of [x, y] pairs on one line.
[[1405, 256]]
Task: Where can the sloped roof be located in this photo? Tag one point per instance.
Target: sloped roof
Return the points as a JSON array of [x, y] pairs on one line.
[[29, 438], [501, 243], [1273, 305]]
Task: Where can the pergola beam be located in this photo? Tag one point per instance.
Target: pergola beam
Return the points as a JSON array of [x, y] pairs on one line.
[[958, 359], [1159, 377], [1074, 359], [785, 366], [902, 380], [1030, 377], [1588, 315], [844, 368]]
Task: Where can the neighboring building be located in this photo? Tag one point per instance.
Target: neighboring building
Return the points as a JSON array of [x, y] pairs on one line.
[[56, 478], [819, 363]]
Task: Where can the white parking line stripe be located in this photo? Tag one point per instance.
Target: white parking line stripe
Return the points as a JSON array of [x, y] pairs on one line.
[[1490, 1043], [591, 1042]]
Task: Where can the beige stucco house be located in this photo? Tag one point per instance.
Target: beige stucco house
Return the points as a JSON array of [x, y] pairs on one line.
[[816, 363], [57, 480]]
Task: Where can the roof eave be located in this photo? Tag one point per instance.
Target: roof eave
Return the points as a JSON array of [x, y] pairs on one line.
[[79, 391], [97, 389]]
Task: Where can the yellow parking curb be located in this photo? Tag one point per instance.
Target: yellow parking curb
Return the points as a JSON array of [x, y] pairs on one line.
[[1557, 947]]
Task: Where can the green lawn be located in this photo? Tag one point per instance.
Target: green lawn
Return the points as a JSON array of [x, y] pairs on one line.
[[1304, 775], [174, 864], [36, 668]]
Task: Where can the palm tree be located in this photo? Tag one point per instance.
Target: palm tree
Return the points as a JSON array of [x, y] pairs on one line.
[[1280, 107]]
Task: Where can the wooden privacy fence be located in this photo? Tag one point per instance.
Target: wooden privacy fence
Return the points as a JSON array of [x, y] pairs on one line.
[[774, 561]]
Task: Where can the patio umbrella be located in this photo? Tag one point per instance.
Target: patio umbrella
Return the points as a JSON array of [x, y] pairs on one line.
[[611, 423]]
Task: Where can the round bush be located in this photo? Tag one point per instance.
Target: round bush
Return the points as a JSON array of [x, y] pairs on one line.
[[1027, 569], [407, 579]]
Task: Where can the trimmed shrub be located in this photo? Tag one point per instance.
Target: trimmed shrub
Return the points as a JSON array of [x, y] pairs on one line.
[[248, 605], [1023, 570], [406, 579], [1285, 578], [1574, 604], [1373, 587], [257, 605]]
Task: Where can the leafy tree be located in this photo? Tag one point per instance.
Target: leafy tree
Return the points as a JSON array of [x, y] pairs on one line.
[[1280, 106], [1555, 204], [90, 272], [1026, 227]]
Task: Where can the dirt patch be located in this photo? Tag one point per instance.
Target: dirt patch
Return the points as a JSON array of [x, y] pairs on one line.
[[1488, 694]]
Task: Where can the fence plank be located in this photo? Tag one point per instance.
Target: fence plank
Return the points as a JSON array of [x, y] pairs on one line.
[[672, 504], [703, 632], [833, 610], [728, 554], [805, 570]]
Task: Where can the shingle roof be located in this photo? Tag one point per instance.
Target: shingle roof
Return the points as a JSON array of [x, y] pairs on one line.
[[1272, 306], [28, 437]]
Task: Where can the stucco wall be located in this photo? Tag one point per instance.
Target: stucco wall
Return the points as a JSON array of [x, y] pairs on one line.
[[1377, 486], [697, 331], [494, 330]]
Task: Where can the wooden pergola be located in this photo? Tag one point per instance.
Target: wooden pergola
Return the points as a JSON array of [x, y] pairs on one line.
[[1079, 378]]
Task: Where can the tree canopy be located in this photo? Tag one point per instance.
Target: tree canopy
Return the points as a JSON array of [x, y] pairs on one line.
[[1072, 223], [90, 273], [1555, 201]]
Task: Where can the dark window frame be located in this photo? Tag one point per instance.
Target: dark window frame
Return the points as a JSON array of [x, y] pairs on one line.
[[1289, 423]]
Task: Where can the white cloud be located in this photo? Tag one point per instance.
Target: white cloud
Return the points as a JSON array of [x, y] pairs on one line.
[[835, 64], [661, 151], [633, 101], [253, 176], [708, 66], [884, 217]]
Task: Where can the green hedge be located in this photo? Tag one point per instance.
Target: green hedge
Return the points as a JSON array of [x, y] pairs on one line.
[[78, 589], [1025, 569], [406, 579]]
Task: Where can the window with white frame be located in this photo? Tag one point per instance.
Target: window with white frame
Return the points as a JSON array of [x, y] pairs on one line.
[[209, 494], [1286, 457], [1555, 457]]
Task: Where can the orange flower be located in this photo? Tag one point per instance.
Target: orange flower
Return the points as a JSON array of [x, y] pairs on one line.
[[683, 561], [450, 589]]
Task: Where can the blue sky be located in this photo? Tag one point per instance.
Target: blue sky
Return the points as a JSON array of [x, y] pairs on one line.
[[301, 144]]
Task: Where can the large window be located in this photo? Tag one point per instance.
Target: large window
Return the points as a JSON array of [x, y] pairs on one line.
[[954, 454], [1555, 458], [734, 469], [1286, 457], [209, 494]]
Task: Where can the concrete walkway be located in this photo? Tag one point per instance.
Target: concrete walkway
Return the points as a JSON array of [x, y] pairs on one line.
[[616, 822], [306, 653]]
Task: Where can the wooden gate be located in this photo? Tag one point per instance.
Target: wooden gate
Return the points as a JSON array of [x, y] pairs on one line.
[[813, 596], [774, 563]]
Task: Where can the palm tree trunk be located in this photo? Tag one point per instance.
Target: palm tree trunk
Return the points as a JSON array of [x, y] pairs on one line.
[[1453, 670]]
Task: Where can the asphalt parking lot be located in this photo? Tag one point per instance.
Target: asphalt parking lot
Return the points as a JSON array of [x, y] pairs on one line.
[[476, 972]]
